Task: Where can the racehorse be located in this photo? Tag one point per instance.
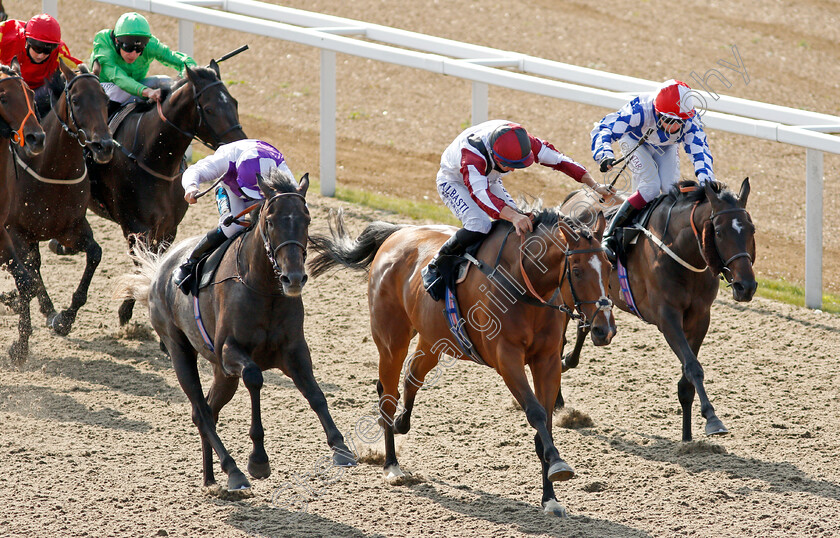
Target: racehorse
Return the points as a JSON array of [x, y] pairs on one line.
[[50, 191], [710, 234], [250, 319], [17, 108], [510, 322], [140, 188]]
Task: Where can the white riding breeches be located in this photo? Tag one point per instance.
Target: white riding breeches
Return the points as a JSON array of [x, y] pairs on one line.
[[654, 168], [115, 93]]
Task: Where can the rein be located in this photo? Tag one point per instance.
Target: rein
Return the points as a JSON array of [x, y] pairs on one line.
[[18, 136]]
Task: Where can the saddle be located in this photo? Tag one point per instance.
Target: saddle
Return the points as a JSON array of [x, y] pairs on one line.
[[627, 237], [452, 270], [205, 270]]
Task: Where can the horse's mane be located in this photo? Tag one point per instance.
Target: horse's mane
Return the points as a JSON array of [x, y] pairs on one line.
[[8, 70], [698, 193], [552, 217], [280, 181]]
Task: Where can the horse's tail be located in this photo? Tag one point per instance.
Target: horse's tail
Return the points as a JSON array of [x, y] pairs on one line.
[[341, 249], [137, 285]]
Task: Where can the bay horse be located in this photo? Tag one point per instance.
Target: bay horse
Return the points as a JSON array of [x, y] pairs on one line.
[[50, 191], [17, 108], [252, 318], [140, 188], [710, 230], [509, 326]]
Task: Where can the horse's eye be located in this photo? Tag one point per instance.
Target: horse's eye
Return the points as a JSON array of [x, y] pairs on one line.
[[208, 110], [577, 272]]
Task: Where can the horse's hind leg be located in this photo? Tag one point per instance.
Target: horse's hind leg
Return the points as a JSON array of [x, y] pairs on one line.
[[418, 366], [298, 366], [186, 369], [62, 322]]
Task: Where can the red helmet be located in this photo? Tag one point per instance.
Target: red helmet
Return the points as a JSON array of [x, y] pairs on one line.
[[675, 100], [43, 28], [511, 146]]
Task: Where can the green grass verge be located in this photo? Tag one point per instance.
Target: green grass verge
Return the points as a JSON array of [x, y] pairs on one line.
[[785, 292]]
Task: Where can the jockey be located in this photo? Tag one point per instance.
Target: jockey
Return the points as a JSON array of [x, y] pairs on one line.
[[470, 181], [656, 122], [124, 55], [38, 47], [237, 164]]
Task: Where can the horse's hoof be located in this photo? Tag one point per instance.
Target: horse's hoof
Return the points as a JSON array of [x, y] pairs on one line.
[[56, 247], [60, 324], [259, 470], [560, 471], [125, 311], [342, 457], [237, 481], [716, 427], [18, 352], [394, 476], [554, 508]]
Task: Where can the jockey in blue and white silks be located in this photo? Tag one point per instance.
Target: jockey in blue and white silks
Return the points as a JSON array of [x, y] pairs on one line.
[[236, 165], [657, 122]]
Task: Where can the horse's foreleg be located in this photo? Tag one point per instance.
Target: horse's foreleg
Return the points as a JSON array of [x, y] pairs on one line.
[[672, 329], [512, 370], [547, 375], [237, 361], [186, 369], [19, 350], [421, 362], [220, 393], [62, 322], [298, 366]]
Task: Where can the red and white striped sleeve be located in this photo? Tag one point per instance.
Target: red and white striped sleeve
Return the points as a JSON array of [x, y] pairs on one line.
[[547, 155], [472, 170]]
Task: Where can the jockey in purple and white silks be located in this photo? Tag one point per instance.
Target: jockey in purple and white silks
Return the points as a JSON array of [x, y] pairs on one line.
[[470, 181], [237, 165], [657, 122]]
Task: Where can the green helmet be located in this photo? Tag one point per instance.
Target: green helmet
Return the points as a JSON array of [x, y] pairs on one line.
[[133, 24]]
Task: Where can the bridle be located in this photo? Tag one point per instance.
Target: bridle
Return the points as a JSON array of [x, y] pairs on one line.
[[534, 299], [201, 120], [79, 134], [270, 251], [18, 137], [727, 274]]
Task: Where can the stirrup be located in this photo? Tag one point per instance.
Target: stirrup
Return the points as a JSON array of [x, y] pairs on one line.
[[183, 276]]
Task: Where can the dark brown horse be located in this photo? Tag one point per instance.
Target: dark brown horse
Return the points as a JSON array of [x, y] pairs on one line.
[[506, 318], [253, 316], [140, 188], [709, 229], [18, 125], [50, 191]]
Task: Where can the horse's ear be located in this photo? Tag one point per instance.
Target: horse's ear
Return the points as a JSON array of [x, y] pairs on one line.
[[600, 225], [304, 184], [65, 70], [83, 69], [262, 185], [215, 67], [190, 75], [744, 194], [15, 65]]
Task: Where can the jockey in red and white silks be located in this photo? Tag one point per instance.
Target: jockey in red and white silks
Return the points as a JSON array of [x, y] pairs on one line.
[[472, 167]]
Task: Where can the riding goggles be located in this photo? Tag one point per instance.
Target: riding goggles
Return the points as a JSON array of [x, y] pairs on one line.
[[41, 47], [667, 120], [132, 46]]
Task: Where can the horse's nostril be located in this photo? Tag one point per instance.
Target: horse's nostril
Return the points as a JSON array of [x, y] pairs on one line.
[[304, 279], [285, 280]]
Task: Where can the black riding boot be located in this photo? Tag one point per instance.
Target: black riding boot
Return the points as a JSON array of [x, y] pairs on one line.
[[184, 274], [454, 246], [625, 215]]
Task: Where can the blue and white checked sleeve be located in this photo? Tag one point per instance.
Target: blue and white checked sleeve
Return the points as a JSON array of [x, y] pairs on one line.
[[697, 147], [615, 125]]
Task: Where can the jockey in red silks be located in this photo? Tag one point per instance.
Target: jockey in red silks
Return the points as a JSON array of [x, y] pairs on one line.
[[470, 181], [38, 46]]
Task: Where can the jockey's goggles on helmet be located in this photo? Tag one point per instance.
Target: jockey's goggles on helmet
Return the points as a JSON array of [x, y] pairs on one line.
[[40, 47], [133, 43], [668, 120]]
